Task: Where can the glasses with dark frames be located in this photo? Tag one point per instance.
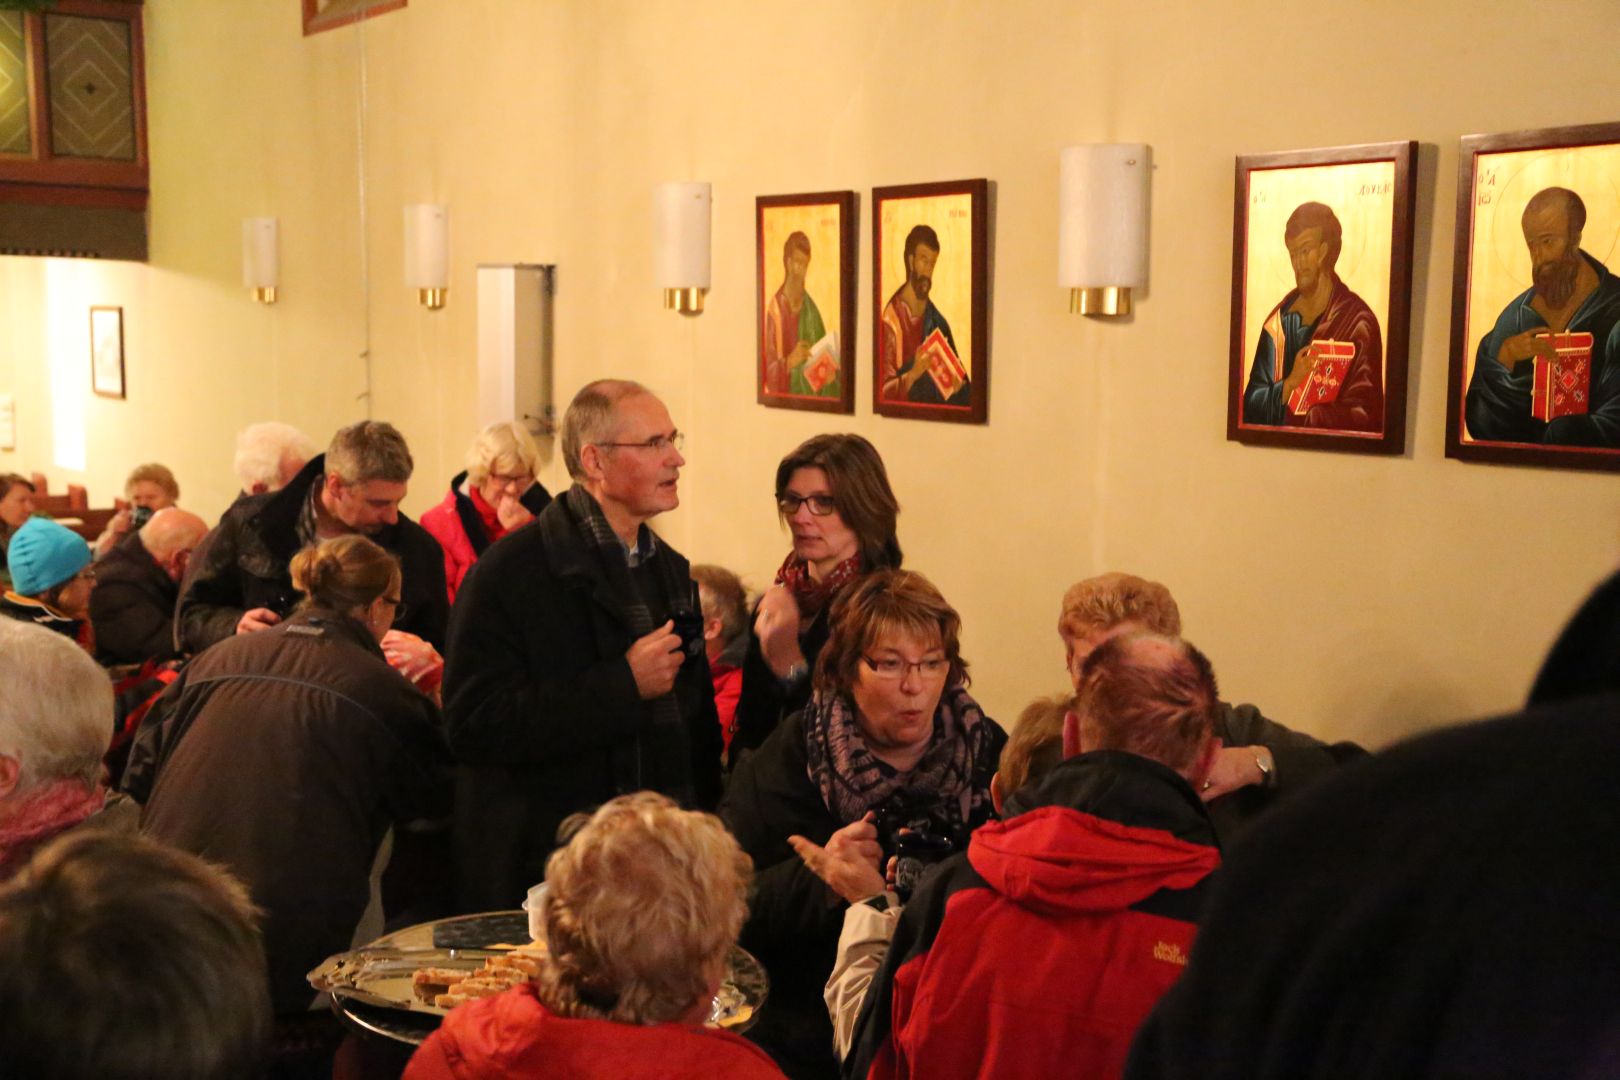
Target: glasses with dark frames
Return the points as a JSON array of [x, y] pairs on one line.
[[893, 668], [820, 505]]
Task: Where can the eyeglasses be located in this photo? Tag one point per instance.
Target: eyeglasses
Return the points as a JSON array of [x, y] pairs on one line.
[[520, 479], [398, 605], [658, 443], [893, 668], [820, 505]]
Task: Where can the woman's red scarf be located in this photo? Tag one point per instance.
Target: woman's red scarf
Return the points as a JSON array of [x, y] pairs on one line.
[[489, 515], [813, 595]]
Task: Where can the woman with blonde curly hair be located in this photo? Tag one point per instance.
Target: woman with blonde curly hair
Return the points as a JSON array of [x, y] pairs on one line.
[[642, 905], [496, 493]]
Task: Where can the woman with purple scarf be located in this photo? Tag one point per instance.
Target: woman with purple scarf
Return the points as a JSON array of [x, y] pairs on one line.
[[833, 495], [888, 739]]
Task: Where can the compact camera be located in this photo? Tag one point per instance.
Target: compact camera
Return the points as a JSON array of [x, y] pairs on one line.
[[912, 830]]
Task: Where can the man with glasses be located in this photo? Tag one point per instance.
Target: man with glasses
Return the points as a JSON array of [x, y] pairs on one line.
[[576, 668]]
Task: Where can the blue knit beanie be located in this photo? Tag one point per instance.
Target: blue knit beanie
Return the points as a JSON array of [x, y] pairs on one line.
[[43, 555]]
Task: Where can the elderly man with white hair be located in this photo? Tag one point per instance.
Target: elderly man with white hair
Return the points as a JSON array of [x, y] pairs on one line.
[[270, 454], [56, 717]]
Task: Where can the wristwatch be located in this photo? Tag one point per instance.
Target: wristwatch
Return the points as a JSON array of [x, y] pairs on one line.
[[1268, 778]]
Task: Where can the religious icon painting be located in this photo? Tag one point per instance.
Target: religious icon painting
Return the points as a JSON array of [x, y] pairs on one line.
[[805, 259], [1321, 293], [931, 284], [1535, 307]]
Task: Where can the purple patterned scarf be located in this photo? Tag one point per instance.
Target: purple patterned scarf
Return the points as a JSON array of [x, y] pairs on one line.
[[956, 766]]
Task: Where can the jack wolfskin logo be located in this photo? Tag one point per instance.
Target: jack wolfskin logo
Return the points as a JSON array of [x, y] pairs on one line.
[[1169, 953]]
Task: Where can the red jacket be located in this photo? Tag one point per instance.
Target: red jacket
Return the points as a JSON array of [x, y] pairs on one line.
[[513, 1035], [1041, 952], [727, 692], [465, 525]]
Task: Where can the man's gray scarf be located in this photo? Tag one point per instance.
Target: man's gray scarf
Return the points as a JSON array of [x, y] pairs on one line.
[[631, 770]]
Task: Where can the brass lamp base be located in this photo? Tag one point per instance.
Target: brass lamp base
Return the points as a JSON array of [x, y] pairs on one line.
[[265, 294], [432, 299], [686, 301], [1105, 300]]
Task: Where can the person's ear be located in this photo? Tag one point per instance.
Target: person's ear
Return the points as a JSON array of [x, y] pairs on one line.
[[259, 488], [590, 461], [711, 629], [334, 485], [996, 796], [1071, 734], [10, 773]]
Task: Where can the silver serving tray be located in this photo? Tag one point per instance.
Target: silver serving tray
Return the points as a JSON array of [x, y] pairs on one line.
[[381, 975]]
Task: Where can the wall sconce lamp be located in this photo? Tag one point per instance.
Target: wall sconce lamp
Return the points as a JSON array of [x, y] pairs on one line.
[[683, 245], [261, 266], [427, 253], [1103, 225]]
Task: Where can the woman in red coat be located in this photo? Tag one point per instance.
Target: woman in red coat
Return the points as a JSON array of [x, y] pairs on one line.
[[495, 494], [642, 907]]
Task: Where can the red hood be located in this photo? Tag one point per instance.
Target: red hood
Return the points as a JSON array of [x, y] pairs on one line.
[[1058, 861]]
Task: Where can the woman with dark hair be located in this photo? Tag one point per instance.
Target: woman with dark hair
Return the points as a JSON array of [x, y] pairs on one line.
[[16, 507], [833, 494], [889, 739], [286, 755]]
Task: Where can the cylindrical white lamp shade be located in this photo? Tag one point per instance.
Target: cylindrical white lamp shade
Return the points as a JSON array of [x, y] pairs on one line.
[[682, 259], [427, 252], [1103, 217], [261, 264], [427, 246]]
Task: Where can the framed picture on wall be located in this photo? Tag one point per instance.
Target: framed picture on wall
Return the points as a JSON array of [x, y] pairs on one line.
[[931, 284], [1321, 294], [804, 250], [107, 351], [1535, 308]]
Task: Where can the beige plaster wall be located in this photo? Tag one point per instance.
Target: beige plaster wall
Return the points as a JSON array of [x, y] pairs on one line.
[[1350, 596]]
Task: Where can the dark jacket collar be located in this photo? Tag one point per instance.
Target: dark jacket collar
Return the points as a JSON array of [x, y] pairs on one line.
[[319, 621], [277, 519], [134, 553], [1124, 787]]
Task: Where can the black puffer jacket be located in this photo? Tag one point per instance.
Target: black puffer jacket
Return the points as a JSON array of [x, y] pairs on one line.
[[285, 755], [244, 564]]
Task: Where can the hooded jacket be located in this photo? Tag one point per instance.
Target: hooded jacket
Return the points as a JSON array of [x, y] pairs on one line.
[[1040, 951], [514, 1034]]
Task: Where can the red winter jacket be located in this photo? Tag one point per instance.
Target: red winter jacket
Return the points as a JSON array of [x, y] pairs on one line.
[[513, 1035], [465, 525], [1041, 952]]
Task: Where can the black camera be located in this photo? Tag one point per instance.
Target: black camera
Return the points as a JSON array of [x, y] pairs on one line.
[[689, 626], [913, 829], [689, 623]]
